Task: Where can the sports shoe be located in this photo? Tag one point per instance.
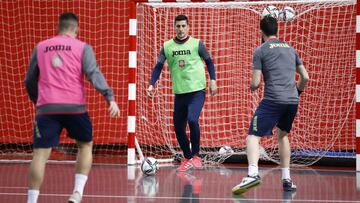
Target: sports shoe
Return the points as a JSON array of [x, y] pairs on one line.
[[246, 183], [197, 163], [75, 198], [185, 165], [288, 185]]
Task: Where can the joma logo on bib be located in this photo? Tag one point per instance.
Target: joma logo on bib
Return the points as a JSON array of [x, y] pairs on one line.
[[181, 52]]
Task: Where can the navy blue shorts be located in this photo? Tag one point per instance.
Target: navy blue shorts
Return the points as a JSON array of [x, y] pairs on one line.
[[270, 114], [47, 128]]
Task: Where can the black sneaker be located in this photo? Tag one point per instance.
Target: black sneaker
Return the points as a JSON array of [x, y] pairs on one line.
[[288, 185]]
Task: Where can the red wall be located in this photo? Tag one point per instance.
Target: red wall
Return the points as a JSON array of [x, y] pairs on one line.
[[103, 24]]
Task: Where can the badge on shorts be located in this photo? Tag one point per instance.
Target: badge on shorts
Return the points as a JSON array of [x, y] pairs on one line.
[[37, 131], [255, 124], [181, 63], [56, 61]]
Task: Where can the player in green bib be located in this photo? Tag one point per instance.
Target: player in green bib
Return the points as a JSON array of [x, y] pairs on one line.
[[185, 56]]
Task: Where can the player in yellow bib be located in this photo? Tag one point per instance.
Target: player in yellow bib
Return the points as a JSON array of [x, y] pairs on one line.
[[185, 56]]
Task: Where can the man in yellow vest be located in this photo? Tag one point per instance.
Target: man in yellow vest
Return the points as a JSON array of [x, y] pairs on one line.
[[185, 56]]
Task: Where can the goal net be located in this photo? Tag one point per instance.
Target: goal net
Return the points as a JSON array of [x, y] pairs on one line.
[[104, 25], [323, 33]]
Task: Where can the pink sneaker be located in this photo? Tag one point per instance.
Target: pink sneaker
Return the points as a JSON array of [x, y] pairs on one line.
[[185, 165], [196, 162]]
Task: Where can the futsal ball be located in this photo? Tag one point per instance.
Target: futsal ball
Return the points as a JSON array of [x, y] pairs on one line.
[[225, 150], [287, 14], [149, 166], [272, 11]]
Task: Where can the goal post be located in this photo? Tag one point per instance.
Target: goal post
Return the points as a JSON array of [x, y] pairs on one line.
[[358, 87], [322, 33]]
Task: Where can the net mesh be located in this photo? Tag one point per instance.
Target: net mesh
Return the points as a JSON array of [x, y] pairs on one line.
[[104, 25], [323, 35]]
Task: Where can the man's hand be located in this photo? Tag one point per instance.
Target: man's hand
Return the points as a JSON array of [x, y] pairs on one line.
[[114, 109], [149, 91], [299, 91], [213, 87]]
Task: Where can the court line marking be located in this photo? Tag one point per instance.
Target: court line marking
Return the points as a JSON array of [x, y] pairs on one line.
[[182, 198], [9, 187], [228, 166], [170, 165]]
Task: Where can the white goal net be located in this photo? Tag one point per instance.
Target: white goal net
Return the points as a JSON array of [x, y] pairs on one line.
[[323, 33]]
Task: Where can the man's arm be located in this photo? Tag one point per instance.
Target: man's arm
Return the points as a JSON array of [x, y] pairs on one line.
[[32, 76], [97, 79], [158, 67], [156, 71], [256, 70], [204, 54], [255, 79], [304, 76], [94, 75], [303, 79]]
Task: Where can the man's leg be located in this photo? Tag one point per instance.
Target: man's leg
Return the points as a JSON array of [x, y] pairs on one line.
[[83, 167], [180, 115], [79, 127], [194, 109], [46, 135], [253, 154], [284, 149], [262, 123], [283, 128], [84, 157], [253, 178], [36, 172], [285, 154]]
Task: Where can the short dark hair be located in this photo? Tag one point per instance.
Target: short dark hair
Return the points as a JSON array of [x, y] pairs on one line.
[[66, 20], [181, 17], [269, 26]]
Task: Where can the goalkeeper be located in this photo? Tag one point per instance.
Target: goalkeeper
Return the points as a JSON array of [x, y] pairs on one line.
[[54, 83], [184, 56], [278, 62]]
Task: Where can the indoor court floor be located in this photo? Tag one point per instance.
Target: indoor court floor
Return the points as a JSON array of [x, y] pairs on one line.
[[110, 183]]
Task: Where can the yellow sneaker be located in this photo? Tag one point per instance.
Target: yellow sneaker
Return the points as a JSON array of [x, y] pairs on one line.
[[246, 183]]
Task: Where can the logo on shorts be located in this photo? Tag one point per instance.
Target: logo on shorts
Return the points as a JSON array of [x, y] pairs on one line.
[[255, 123], [37, 131], [181, 63]]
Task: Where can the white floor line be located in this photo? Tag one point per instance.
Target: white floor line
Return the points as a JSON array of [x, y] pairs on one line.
[[8, 187]]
